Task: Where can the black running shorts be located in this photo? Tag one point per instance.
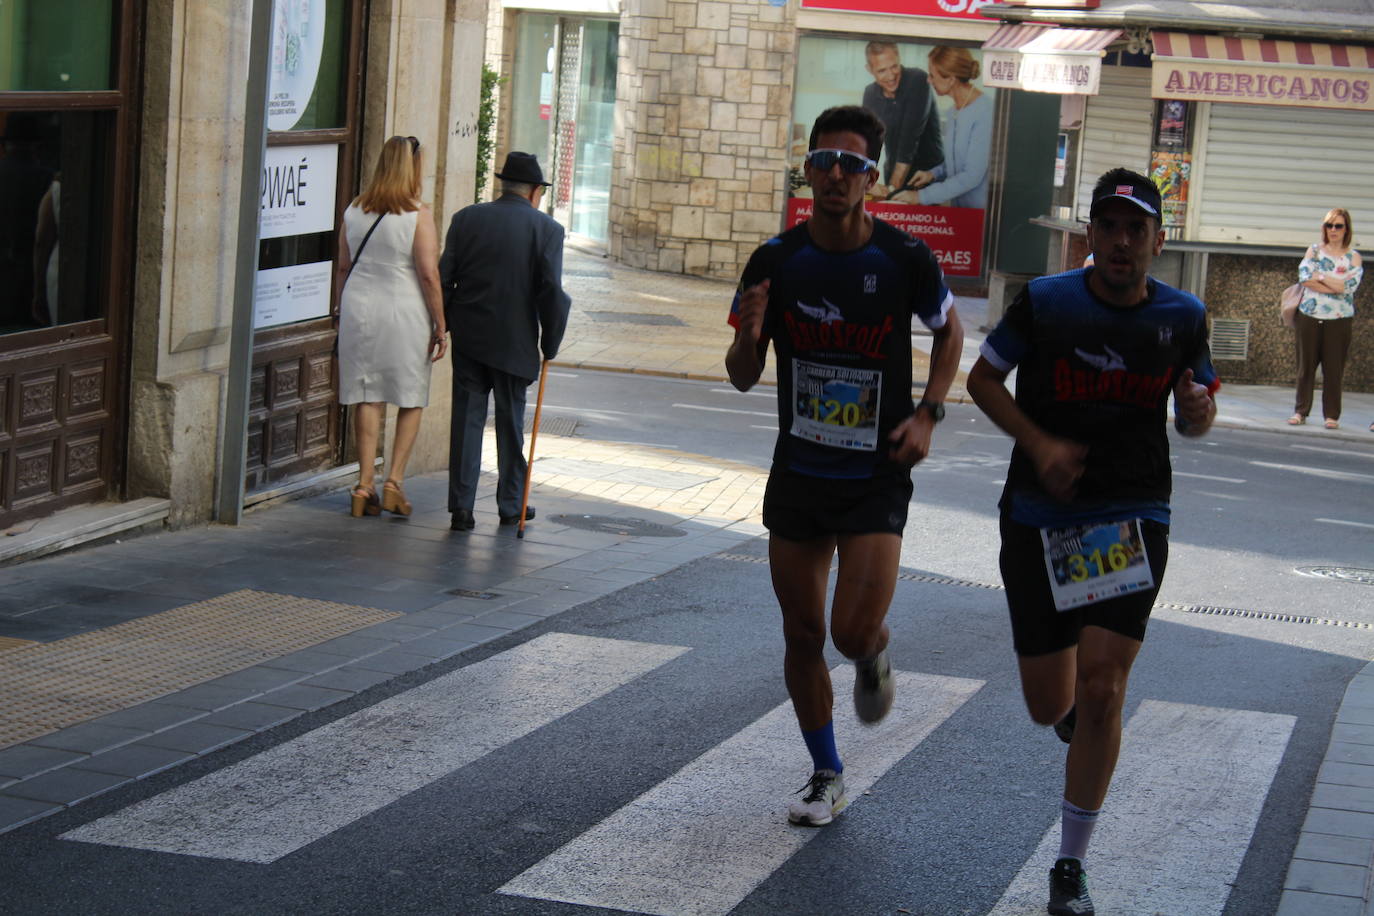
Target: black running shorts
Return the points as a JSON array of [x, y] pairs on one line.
[[1036, 627], [800, 507]]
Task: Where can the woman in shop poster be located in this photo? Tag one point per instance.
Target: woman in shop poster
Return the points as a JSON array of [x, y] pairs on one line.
[[951, 140]]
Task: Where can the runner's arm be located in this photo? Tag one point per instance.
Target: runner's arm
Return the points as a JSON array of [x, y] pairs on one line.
[[745, 359], [1058, 462]]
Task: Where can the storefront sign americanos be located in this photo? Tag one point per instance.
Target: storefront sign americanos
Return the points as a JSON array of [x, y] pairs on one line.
[[1221, 81]]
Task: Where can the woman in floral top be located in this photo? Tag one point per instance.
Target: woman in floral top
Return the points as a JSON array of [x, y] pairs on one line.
[[1329, 275]]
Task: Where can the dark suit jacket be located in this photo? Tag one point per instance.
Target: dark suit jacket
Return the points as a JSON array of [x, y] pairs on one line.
[[913, 125], [502, 274]]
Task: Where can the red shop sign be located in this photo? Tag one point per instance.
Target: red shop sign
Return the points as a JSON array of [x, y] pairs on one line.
[[954, 234], [958, 9]]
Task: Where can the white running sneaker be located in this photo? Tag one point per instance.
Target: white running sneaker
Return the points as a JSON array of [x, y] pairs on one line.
[[873, 688], [822, 799]]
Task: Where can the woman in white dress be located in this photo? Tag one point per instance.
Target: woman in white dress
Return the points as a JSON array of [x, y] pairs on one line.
[[391, 317]]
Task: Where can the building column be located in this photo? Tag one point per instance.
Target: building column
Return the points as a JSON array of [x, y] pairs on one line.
[[704, 92]]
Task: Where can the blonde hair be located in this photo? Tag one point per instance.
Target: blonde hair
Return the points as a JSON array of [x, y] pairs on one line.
[[1344, 214], [395, 185], [957, 62]]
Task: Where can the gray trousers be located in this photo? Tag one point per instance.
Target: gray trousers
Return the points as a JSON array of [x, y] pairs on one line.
[[472, 382]]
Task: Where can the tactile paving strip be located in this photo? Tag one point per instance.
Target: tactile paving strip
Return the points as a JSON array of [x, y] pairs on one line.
[[7, 642], [49, 686]]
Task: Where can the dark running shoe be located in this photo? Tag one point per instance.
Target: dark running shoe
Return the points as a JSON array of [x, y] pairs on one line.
[[1064, 727], [873, 688], [1069, 890]]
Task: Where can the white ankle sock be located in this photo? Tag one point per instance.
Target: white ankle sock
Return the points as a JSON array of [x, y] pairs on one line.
[[1075, 830]]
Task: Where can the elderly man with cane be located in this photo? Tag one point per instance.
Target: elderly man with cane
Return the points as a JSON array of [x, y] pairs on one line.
[[502, 275]]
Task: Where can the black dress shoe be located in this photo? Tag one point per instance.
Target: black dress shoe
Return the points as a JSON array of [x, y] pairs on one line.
[[462, 520], [514, 519]]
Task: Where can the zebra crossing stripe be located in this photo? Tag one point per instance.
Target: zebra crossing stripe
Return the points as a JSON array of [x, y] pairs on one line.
[[698, 843], [285, 798], [1183, 804]]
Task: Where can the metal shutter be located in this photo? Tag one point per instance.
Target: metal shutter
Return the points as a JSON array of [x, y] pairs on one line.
[[1116, 129], [1270, 173]]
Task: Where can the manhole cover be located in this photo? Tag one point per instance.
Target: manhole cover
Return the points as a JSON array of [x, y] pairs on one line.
[[637, 318], [1343, 573], [627, 527], [473, 593]]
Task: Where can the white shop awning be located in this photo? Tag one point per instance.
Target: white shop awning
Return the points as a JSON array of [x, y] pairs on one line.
[[1043, 58]]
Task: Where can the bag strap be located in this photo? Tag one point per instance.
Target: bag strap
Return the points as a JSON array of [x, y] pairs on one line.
[[361, 245]]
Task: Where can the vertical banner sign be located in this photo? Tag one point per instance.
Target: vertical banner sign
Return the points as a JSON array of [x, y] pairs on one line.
[[938, 113], [298, 184], [297, 44], [1171, 159]]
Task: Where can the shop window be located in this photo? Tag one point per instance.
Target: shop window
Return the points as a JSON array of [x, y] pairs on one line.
[[55, 45], [309, 82], [55, 184]]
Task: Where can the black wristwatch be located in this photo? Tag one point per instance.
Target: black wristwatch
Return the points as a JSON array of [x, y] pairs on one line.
[[937, 410]]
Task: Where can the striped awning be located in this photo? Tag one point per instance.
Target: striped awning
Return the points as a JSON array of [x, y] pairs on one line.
[[1043, 58], [1262, 71]]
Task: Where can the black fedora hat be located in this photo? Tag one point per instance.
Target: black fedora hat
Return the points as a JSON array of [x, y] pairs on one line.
[[524, 168]]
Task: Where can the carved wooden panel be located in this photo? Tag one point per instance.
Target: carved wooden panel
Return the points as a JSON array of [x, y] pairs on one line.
[[38, 393], [257, 431], [35, 471], [60, 410], [285, 436], [257, 388], [286, 382], [317, 423], [82, 464], [86, 389], [294, 418]]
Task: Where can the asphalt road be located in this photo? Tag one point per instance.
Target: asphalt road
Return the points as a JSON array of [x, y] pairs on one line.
[[635, 754]]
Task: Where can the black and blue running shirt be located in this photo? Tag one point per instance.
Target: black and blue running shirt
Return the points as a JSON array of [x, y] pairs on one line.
[[840, 324], [1101, 375]]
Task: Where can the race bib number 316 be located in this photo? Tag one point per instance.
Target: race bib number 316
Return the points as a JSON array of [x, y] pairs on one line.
[[836, 406], [1091, 563]]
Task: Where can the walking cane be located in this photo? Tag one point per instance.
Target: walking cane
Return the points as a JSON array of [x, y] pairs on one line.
[[534, 434]]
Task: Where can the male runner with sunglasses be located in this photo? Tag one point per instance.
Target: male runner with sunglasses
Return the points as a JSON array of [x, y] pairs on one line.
[[1085, 510], [836, 295]]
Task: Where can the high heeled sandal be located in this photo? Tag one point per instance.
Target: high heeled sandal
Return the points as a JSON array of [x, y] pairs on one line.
[[364, 502], [394, 498]]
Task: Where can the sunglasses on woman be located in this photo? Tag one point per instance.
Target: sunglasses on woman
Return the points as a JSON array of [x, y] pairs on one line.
[[850, 163], [413, 141], [1334, 225]]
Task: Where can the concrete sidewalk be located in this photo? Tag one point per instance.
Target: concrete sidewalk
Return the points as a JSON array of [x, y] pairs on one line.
[[121, 660]]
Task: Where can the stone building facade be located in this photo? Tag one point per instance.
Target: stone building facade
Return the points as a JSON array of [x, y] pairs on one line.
[[705, 91]]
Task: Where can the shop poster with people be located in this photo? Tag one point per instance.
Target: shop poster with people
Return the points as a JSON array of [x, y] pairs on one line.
[[933, 171]]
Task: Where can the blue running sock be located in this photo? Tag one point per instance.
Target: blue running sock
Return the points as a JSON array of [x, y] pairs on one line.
[[821, 743]]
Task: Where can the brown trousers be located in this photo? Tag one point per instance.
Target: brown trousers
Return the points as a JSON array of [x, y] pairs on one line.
[[1322, 343]]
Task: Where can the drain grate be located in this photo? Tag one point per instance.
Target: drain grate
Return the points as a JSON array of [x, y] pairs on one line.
[[1160, 606], [626, 527], [1262, 615], [1341, 573]]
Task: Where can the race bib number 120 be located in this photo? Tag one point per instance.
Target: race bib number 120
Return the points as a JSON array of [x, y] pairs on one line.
[[1091, 563], [836, 406]]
